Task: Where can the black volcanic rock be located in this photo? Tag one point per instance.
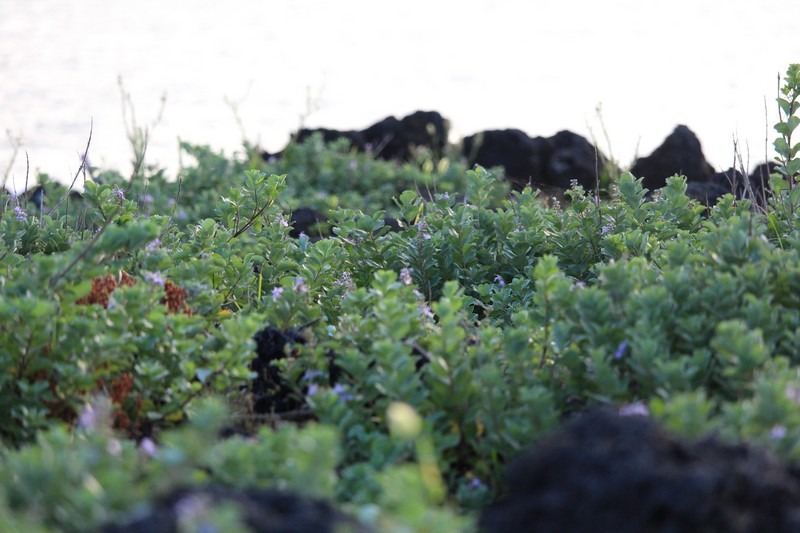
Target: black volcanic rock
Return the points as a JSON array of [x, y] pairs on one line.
[[680, 153], [754, 186], [391, 138], [262, 511], [520, 155], [759, 180], [731, 179], [572, 157], [538, 161], [305, 220], [606, 473], [706, 192], [271, 392], [395, 139], [761, 173]]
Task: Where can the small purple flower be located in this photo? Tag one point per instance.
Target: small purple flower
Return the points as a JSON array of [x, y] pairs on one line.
[[284, 222], [344, 280], [405, 276], [422, 227], [119, 193], [300, 284], [634, 409], [443, 196], [20, 213], [499, 280], [621, 349], [476, 484], [276, 292], [341, 391], [152, 245], [313, 389], [605, 229], [148, 447], [88, 418], [147, 199], [154, 278], [777, 432], [426, 311]]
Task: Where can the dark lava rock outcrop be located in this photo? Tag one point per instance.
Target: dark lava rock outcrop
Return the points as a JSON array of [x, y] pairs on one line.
[[261, 511], [606, 473], [680, 153], [271, 392], [392, 138], [537, 161]]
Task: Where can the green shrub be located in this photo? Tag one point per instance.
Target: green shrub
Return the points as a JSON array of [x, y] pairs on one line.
[[489, 315]]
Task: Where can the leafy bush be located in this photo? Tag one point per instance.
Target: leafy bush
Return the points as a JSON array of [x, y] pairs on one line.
[[488, 316]]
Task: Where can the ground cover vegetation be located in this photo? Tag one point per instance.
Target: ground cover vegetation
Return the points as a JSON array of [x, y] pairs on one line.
[[161, 336]]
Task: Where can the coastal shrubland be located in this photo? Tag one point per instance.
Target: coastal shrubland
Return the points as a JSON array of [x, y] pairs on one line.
[[161, 334]]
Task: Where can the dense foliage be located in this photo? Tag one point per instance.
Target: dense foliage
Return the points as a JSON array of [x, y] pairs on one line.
[[128, 316]]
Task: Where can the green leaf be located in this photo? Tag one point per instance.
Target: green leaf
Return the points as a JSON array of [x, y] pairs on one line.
[[785, 106], [631, 190], [793, 166], [203, 374], [131, 236], [782, 147], [792, 122]]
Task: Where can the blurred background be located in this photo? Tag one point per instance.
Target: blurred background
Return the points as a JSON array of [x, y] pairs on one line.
[[211, 72]]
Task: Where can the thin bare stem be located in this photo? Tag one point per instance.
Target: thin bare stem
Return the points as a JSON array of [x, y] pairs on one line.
[[234, 107], [16, 142], [766, 131], [55, 279], [27, 170], [80, 168], [138, 137]]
